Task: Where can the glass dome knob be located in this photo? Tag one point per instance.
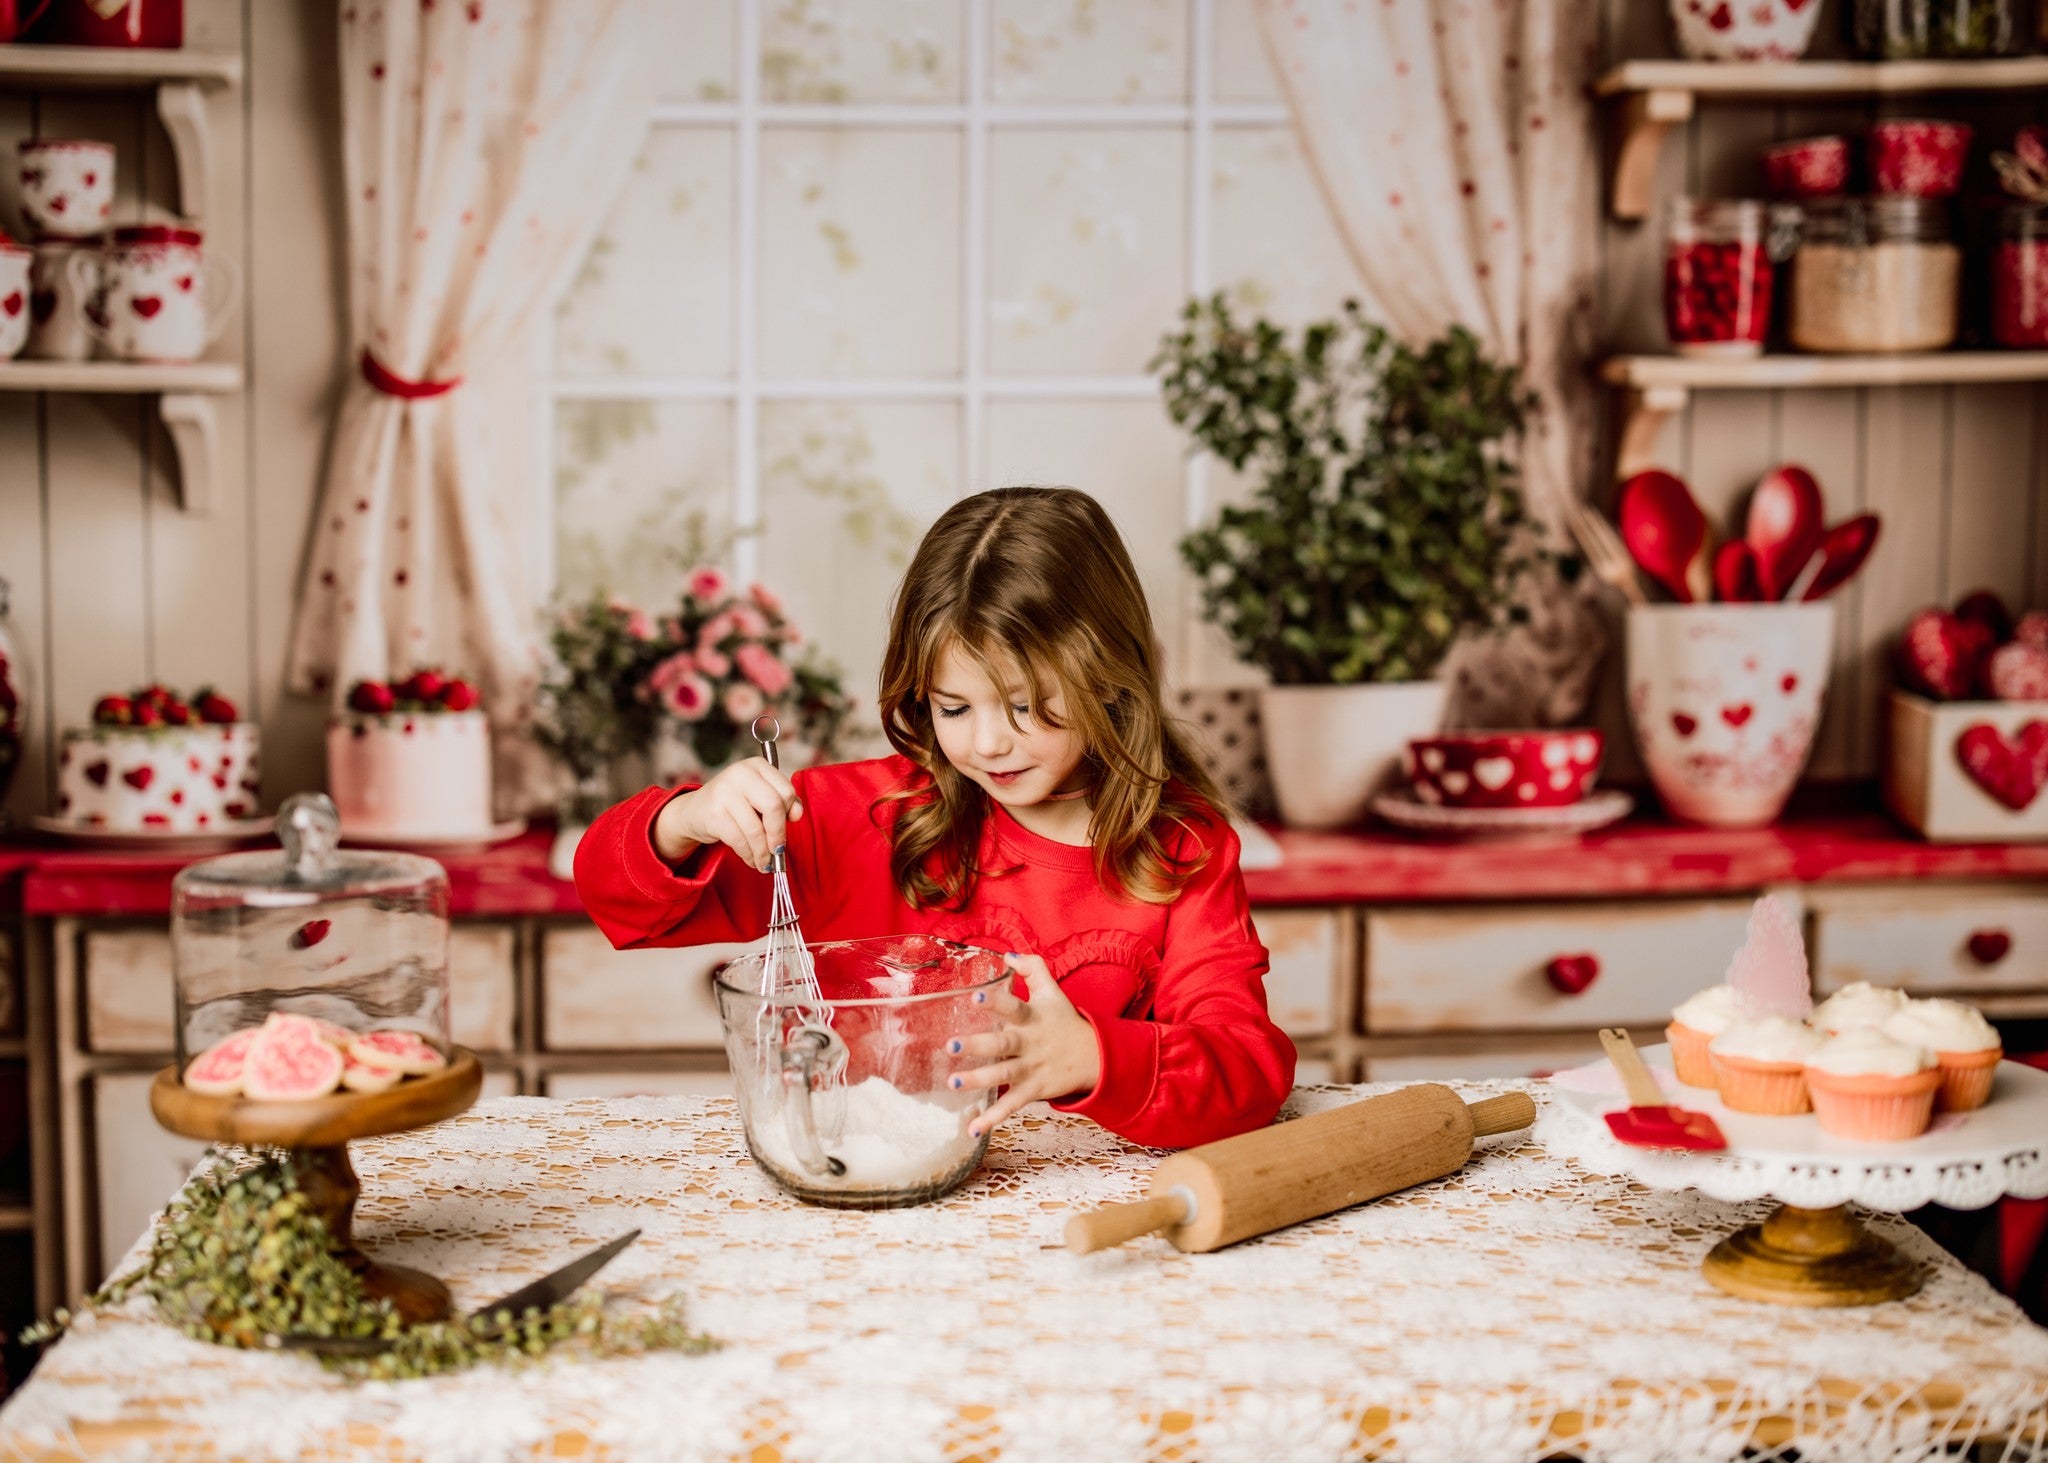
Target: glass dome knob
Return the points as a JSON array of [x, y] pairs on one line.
[[310, 829]]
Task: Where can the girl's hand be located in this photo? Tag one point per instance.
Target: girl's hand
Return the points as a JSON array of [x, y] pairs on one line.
[[1043, 1049], [748, 808]]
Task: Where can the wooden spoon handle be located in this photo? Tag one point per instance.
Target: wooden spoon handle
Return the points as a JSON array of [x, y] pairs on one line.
[[1641, 1087], [1100, 1228], [1503, 1114]]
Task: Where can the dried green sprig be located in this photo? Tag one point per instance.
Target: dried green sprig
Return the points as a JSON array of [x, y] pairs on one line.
[[239, 1255]]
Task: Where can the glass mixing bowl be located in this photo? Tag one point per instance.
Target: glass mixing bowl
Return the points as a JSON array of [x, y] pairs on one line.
[[845, 1100]]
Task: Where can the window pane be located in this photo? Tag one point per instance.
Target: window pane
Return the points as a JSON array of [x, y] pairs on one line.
[[1125, 454], [654, 297], [1273, 243], [860, 50], [1244, 72], [860, 253], [1087, 248], [698, 42], [1088, 51], [643, 489], [847, 490]]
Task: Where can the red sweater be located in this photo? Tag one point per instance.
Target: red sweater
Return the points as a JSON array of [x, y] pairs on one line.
[[1174, 991]]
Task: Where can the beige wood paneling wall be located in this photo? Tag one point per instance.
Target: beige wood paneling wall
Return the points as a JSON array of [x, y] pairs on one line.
[[113, 583], [1959, 474]]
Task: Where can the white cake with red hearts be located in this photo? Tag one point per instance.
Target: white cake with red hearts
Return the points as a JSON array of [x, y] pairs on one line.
[[154, 763], [411, 760]]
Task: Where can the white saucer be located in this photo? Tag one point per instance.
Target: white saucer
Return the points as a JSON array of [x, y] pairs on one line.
[[1596, 810], [475, 838], [156, 841]]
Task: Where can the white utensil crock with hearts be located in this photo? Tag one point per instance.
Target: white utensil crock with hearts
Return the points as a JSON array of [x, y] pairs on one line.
[[15, 264], [1724, 701], [67, 185], [152, 297]]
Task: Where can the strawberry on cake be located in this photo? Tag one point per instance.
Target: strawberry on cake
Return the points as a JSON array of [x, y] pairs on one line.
[[153, 761], [411, 760]]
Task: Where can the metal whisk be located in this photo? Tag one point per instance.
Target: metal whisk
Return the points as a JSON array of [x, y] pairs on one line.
[[789, 978]]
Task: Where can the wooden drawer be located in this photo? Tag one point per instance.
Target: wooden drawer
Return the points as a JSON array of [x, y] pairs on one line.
[[678, 1082], [128, 988], [1309, 951], [595, 998], [1482, 969], [137, 1165], [1448, 1060], [1920, 937]]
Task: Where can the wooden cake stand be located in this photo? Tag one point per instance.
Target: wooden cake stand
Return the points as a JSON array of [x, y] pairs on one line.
[[318, 1132]]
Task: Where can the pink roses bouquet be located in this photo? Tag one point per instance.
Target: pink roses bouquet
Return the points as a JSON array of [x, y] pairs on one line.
[[730, 656]]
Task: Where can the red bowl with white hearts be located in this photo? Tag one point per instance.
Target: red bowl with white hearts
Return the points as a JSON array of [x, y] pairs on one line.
[[1918, 158], [1505, 769], [1811, 167]]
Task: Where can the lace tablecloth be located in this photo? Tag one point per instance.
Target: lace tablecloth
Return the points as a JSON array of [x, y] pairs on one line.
[[1522, 1307]]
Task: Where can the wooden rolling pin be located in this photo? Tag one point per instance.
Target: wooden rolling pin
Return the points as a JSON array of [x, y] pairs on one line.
[[1208, 1197]]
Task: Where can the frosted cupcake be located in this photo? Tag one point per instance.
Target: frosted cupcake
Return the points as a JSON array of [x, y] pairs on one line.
[[1868, 1087], [1760, 1065], [1861, 1004], [1966, 1048], [1698, 1020]]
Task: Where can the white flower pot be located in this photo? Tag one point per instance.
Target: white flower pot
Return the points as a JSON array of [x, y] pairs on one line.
[[1724, 701], [1329, 748]]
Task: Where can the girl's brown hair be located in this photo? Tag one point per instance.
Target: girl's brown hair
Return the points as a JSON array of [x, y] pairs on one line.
[[1038, 577]]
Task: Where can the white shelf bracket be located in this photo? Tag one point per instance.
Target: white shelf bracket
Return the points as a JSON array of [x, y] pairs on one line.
[[1645, 411], [182, 107], [1647, 116], [191, 422]]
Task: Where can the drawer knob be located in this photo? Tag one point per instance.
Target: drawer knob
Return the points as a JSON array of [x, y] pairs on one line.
[[1988, 947], [1570, 974]]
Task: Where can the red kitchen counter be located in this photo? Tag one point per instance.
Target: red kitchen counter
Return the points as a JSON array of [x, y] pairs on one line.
[[1643, 855]]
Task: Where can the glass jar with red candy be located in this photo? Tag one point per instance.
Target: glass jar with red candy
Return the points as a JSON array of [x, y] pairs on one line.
[[2019, 277], [1718, 276]]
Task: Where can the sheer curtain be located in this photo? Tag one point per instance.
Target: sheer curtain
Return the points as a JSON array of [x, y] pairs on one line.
[[1455, 145], [482, 142]]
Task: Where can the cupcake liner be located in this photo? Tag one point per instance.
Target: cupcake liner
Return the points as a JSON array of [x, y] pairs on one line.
[[1966, 1078], [1872, 1107], [1689, 1055], [1774, 1089]]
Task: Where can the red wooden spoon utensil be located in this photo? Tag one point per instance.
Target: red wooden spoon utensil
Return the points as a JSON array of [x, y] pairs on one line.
[[1735, 580], [1665, 532], [1843, 550], [1649, 1121], [1785, 526]]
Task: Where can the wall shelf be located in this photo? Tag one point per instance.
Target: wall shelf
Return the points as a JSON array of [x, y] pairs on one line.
[[179, 79], [1657, 386], [1656, 96], [184, 396]]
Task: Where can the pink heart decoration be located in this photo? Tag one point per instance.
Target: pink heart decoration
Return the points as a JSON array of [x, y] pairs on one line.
[[1737, 715]]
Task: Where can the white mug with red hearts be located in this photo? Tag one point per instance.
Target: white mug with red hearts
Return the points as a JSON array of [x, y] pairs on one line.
[[1724, 700], [15, 263], [67, 185], [152, 297]]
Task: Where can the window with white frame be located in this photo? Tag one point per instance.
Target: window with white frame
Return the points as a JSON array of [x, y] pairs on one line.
[[876, 254]]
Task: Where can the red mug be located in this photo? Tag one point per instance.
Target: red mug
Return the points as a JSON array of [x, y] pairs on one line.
[[158, 24], [13, 22]]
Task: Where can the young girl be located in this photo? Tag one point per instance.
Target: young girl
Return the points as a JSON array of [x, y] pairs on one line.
[[1040, 804]]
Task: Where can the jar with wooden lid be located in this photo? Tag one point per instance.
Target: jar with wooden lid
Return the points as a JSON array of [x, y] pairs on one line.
[[2019, 277], [1913, 30], [1874, 275]]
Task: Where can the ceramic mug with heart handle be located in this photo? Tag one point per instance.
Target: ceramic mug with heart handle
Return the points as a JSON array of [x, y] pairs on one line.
[[152, 296], [1724, 701], [67, 185], [15, 262]]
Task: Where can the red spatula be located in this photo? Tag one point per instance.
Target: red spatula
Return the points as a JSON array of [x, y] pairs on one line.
[[1649, 1121]]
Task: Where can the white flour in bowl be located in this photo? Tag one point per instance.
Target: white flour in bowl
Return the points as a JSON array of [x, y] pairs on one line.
[[887, 1139]]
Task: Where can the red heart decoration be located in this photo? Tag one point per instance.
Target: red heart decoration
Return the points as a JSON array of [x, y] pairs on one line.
[[1988, 947], [146, 306], [1736, 715], [177, 796], [90, 178], [1570, 974], [1790, 683], [97, 774], [1684, 725], [235, 810], [13, 303], [58, 204], [309, 934], [155, 820], [139, 778], [2011, 770], [220, 781], [185, 283]]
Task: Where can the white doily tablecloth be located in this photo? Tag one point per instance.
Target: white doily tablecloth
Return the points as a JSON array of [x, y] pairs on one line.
[[1521, 1307]]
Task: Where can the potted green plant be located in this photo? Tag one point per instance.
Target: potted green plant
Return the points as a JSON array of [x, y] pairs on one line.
[[1385, 519]]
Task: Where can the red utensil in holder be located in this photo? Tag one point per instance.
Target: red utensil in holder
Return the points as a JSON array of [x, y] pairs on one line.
[[1649, 1121], [155, 24]]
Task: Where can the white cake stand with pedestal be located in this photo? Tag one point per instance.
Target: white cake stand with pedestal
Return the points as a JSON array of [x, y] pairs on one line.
[[1812, 1251]]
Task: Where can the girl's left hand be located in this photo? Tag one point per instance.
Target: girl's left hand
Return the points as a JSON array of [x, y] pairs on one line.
[[1043, 1049]]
